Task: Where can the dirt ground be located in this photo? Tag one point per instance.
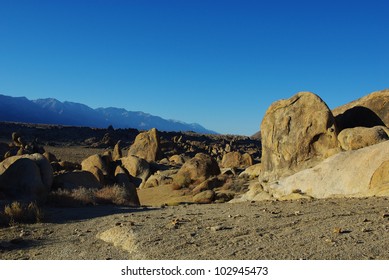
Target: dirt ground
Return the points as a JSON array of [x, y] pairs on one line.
[[282, 230]]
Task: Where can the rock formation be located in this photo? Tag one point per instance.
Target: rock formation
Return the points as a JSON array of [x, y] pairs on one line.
[[76, 179], [368, 111], [197, 170], [138, 168], [360, 137], [147, 146], [236, 160], [347, 174], [296, 134]]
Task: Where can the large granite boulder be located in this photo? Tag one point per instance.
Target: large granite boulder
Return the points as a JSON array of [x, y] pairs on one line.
[[354, 173], [147, 146], [297, 133], [368, 111], [76, 179], [45, 169], [138, 168], [197, 170], [23, 180], [360, 137], [237, 160]]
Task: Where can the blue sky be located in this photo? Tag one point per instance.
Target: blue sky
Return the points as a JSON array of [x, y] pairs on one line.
[[217, 63]]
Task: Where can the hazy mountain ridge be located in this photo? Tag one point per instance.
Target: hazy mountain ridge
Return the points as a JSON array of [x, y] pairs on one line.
[[53, 111]]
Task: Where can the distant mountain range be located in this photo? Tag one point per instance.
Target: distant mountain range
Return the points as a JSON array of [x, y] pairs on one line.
[[52, 111]]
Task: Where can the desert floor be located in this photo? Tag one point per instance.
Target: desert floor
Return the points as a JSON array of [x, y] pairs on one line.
[[302, 229]]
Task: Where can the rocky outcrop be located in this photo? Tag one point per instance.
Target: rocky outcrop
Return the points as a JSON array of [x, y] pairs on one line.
[[348, 174], [99, 166], [296, 134], [122, 179], [138, 168], [197, 170], [117, 151], [147, 146], [236, 160], [204, 197], [360, 137], [23, 180], [160, 178], [45, 169], [76, 179], [368, 111]]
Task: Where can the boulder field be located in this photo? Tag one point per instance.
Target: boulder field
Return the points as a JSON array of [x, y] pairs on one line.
[[304, 150]]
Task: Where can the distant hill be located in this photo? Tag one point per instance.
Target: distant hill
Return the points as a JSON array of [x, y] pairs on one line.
[[52, 111]]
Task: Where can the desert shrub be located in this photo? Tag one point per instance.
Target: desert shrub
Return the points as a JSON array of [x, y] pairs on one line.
[[71, 198], [116, 194], [17, 212]]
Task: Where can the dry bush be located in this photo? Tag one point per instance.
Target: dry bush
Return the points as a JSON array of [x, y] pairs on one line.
[[71, 198], [17, 212], [116, 194]]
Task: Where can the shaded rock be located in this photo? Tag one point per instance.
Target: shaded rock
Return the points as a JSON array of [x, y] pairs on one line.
[[368, 111], [296, 133], [236, 160], [360, 137], [50, 157], [197, 170], [344, 174], [76, 179], [16, 139], [69, 166], [204, 197], [138, 168], [123, 179], [147, 146], [22, 179], [4, 148], [106, 142], [45, 169]]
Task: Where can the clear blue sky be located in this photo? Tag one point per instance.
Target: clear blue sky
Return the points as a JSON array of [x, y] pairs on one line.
[[217, 63]]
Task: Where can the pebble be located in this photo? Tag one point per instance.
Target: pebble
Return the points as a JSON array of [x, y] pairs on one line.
[[217, 228]]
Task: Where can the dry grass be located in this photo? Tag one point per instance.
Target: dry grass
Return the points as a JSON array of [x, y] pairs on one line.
[[17, 212], [71, 198], [115, 194]]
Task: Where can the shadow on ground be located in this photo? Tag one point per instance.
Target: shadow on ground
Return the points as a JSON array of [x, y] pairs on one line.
[[64, 215]]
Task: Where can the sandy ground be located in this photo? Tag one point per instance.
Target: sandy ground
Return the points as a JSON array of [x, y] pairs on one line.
[[301, 229]]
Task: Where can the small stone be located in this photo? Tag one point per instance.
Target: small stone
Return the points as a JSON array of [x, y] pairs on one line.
[[217, 228], [337, 230]]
